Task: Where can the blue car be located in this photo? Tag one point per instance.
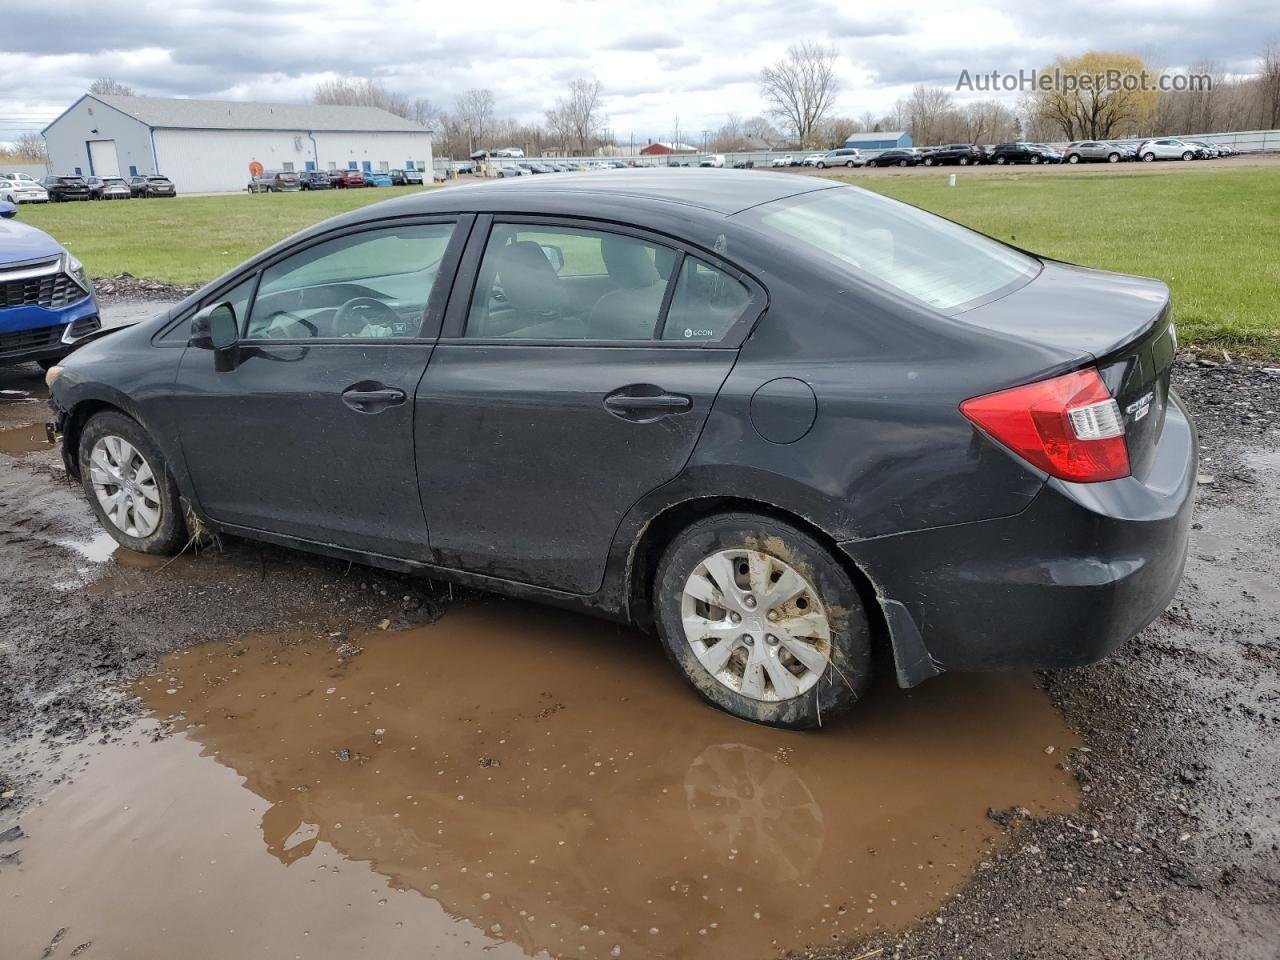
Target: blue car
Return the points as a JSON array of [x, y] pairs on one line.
[[46, 299], [376, 178]]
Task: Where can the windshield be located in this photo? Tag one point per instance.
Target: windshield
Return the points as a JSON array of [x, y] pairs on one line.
[[933, 260]]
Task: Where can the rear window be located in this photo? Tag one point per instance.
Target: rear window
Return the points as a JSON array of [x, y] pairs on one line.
[[938, 262]]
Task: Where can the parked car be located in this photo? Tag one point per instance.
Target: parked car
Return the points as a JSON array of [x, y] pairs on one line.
[[22, 191], [894, 158], [1006, 153], [784, 161], [346, 178], [275, 181], [314, 180], [963, 154], [1098, 151], [744, 164], [108, 188], [537, 166], [19, 177], [1050, 153], [812, 160], [376, 178], [514, 153], [152, 185], [65, 188], [1026, 505], [1204, 151], [47, 306], [1166, 148], [712, 160], [405, 178], [512, 170], [840, 157]]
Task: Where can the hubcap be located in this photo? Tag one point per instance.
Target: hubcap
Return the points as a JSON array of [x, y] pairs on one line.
[[756, 624], [125, 486]]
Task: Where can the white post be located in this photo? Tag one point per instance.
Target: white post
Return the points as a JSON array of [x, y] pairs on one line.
[[951, 180]]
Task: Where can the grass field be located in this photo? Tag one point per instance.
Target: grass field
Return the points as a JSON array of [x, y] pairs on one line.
[[1214, 237]]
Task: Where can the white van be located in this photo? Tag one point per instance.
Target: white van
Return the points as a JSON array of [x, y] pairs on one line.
[[712, 160]]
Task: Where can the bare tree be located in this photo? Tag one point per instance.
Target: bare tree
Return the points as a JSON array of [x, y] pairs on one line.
[[759, 128], [475, 114], [801, 87], [927, 109], [361, 92], [107, 87], [834, 132], [29, 146], [1269, 86], [729, 137], [579, 115]]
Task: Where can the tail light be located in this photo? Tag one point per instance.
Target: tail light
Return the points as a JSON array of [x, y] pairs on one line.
[[1070, 427]]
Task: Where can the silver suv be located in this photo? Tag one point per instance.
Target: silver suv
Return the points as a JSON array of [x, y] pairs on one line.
[[843, 157], [1167, 148], [1098, 150]]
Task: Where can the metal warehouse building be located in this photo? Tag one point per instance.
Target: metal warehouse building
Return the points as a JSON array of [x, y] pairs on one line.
[[887, 140], [209, 145]]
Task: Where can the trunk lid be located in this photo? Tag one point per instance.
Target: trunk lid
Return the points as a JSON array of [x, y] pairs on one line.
[[1122, 323]]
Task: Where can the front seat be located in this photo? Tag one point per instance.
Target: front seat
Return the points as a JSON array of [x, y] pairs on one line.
[[532, 289], [629, 312]]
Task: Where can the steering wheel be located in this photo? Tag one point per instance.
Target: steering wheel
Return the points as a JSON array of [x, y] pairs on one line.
[[360, 312]]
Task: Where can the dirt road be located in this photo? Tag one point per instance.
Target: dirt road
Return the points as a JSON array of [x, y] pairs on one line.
[[251, 750]]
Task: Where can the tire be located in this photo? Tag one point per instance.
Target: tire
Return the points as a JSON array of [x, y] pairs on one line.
[[964, 161], [1034, 159], [820, 165], [1113, 158], [159, 494], [1074, 158], [839, 648], [1148, 157], [850, 164], [902, 163], [1001, 161], [1188, 155], [928, 161]]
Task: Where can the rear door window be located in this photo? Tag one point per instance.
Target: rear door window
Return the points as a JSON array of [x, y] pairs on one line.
[[706, 304]]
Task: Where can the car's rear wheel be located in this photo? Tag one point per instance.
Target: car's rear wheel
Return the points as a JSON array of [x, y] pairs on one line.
[[964, 161], [129, 486], [1035, 159], [1188, 155], [1001, 160], [1074, 158], [763, 621], [902, 163], [1148, 157], [1113, 158]]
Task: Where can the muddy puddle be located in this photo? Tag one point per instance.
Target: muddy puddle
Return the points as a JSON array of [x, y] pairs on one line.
[[509, 781], [23, 439]]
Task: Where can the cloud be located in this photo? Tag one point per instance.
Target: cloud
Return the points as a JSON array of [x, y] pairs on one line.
[[699, 59]]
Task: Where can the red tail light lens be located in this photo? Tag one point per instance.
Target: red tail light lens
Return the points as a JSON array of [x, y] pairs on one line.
[[1070, 427]]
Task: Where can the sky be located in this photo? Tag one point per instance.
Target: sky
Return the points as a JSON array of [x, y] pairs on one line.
[[697, 60]]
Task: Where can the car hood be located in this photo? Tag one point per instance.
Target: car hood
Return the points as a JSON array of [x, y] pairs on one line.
[[19, 242]]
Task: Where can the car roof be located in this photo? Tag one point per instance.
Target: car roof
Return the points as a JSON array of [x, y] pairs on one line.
[[724, 192]]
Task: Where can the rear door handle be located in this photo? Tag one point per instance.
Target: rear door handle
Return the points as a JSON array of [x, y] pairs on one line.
[[371, 398], [646, 402]]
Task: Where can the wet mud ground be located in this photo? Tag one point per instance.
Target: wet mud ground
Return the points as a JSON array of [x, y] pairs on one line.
[[249, 751]]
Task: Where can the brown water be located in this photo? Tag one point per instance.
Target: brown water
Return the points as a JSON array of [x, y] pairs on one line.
[[23, 439], [514, 780]]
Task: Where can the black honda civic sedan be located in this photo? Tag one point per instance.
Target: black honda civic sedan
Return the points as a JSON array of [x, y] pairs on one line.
[[778, 420]]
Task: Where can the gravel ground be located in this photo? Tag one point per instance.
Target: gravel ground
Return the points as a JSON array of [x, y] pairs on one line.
[[1175, 852]]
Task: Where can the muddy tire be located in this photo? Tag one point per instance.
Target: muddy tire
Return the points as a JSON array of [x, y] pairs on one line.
[[763, 621], [127, 481]]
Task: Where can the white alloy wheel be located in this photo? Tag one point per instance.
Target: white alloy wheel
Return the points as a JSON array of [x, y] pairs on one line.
[[125, 486]]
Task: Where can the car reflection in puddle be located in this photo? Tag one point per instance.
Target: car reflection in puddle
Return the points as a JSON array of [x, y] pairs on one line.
[[537, 781]]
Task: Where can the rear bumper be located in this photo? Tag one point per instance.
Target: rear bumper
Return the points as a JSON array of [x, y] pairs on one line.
[[1063, 583]]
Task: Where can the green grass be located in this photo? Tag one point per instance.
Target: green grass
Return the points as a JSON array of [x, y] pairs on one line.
[[1213, 236], [189, 239]]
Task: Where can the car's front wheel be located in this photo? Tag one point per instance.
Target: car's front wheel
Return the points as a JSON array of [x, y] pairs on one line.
[[1188, 155], [763, 621], [1113, 158], [129, 486]]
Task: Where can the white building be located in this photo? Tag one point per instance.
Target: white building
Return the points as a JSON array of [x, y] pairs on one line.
[[211, 145]]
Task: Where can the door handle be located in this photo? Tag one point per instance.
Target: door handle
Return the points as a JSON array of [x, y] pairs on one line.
[[646, 402], [370, 398]]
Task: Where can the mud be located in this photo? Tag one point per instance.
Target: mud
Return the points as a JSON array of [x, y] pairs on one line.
[[542, 776], [252, 810]]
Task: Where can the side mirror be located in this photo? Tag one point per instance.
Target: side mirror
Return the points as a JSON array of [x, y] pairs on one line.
[[554, 254], [8, 210], [215, 328]]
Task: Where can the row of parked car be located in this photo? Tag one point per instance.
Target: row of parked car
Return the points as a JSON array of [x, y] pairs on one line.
[[527, 168], [963, 154], [291, 181], [23, 188]]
